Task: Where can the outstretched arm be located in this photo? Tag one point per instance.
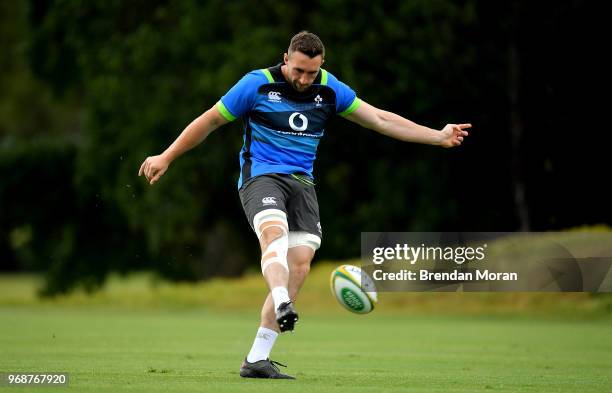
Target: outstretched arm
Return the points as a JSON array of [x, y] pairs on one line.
[[155, 166], [395, 126]]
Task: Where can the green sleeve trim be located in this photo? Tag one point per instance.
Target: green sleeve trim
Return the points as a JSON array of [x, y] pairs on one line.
[[224, 112], [352, 108], [323, 77], [266, 72]]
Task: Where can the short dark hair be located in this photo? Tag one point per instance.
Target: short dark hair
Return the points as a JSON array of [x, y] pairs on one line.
[[307, 43]]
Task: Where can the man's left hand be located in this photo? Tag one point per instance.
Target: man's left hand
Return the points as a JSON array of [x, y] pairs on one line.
[[453, 134]]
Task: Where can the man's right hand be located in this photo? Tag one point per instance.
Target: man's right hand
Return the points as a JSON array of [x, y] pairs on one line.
[[154, 167]]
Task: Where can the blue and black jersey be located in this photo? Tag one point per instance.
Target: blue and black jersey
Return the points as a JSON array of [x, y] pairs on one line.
[[282, 127]]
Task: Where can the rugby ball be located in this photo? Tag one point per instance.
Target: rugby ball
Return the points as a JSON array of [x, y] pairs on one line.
[[353, 289]]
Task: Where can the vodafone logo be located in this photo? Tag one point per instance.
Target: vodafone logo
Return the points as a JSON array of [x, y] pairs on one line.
[[303, 120]]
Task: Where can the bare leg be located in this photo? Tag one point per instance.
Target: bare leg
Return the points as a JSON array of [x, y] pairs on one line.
[[275, 274]]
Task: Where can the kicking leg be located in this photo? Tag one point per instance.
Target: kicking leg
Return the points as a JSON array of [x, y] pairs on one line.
[[272, 230], [299, 265], [299, 259]]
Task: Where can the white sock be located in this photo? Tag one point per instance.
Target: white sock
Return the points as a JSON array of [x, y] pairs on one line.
[[262, 346], [280, 295]]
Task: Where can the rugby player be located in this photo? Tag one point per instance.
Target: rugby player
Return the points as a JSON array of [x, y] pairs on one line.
[[284, 109]]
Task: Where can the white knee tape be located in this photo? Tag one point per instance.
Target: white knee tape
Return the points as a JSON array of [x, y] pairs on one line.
[[304, 239], [269, 215], [278, 246], [270, 218]]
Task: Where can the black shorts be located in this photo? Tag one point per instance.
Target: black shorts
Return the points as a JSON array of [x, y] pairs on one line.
[[292, 194]]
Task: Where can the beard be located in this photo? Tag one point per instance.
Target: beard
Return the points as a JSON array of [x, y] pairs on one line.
[[298, 87]]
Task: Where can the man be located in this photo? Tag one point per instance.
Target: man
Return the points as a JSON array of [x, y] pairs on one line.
[[285, 109]]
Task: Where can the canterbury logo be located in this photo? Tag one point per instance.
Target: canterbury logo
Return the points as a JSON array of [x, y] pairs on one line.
[[303, 120], [269, 201], [264, 336], [318, 100], [274, 96]]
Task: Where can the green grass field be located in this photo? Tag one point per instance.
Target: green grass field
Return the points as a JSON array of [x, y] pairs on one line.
[[142, 334], [195, 350]]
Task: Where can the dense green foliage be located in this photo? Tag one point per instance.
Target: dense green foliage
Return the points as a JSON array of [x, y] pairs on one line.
[[92, 88]]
